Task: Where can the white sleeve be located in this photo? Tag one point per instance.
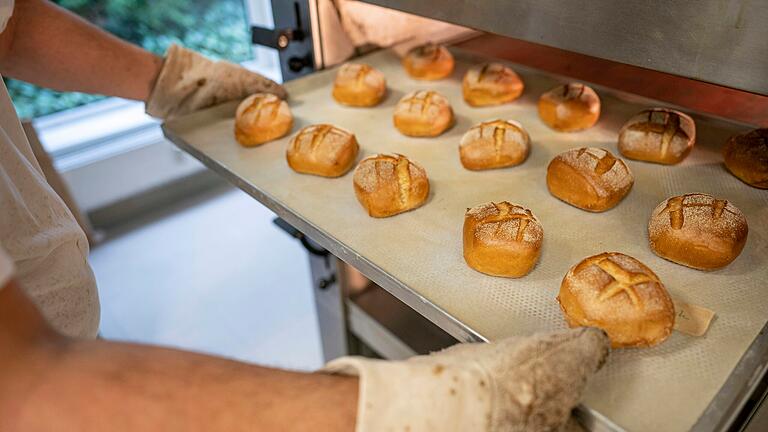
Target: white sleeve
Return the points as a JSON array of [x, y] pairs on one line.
[[6, 268], [6, 10]]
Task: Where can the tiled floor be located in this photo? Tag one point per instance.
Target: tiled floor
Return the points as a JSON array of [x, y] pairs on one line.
[[216, 276]]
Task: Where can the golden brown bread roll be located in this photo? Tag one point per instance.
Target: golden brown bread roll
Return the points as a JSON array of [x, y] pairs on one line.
[[494, 144], [388, 184], [502, 239], [619, 294], [746, 157], [658, 135], [697, 230], [423, 114], [428, 62], [262, 117], [589, 178], [570, 107], [322, 150], [359, 85], [491, 84]]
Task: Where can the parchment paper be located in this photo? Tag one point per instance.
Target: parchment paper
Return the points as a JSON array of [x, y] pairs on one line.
[[662, 388]]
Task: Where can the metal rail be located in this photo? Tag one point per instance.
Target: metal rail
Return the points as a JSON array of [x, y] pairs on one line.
[[718, 41]]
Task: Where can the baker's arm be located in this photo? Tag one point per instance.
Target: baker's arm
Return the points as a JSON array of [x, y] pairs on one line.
[[51, 47], [49, 382]]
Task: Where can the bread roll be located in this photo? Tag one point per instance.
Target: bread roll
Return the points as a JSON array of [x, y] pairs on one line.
[[428, 62], [388, 184], [322, 150], [746, 157], [658, 135], [423, 114], [262, 117], [502, 239], [569, 107], [491, 84], [494, 144], [591, 179], [359, 85], [619, 294], [697, 230]]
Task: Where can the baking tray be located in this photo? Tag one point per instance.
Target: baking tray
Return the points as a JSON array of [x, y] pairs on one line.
[[417, 256]]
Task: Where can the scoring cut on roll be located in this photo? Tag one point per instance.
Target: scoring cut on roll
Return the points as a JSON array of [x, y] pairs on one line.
[[260, 118], [389, 184], [323, 150], [494, 144], [570, 107], [423, 113], [658, 135], [697, 230], [359, 85], [621, 295], [591, 179], [428, 62], [502, 239], [491, 84]]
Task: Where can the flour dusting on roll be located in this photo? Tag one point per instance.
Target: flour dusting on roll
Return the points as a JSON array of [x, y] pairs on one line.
[[502, 239], [589, 178], [619, 294], [494, 144], [389, 184], [697, 230], [359, 85], [570, 107], [323, 150], [260, 118], [423, 113]]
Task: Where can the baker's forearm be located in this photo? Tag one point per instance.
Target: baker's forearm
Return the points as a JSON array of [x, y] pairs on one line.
[[48, 382], [97, 386], [51, 47]]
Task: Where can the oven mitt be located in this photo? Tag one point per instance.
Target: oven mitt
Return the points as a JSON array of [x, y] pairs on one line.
[[188, 82], [516, 384]]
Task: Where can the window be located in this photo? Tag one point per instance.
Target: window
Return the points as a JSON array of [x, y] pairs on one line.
[[107, 149], [217, 28]]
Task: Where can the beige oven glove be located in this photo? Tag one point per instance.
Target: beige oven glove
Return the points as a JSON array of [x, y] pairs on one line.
[[189, 81], [517, 384]]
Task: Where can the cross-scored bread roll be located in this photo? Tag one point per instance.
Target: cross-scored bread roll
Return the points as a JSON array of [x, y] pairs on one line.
[[423, 114], [697, 230], [322, 150], [591, 178], [491, 84], [619, 294], [659, 135], [494, 144], [359, 85], [570, 107], [502, 239], [428, 62], [388, 184], [260, 118], [746, 157]]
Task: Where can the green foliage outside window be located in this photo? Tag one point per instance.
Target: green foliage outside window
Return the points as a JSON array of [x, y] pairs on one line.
[[216, 28]]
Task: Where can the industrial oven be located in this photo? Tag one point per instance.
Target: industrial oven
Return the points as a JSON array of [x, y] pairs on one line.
[[393, 288]]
